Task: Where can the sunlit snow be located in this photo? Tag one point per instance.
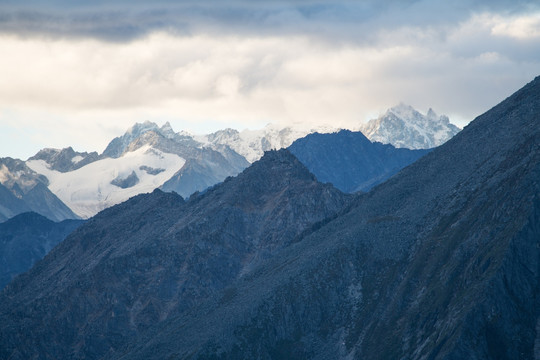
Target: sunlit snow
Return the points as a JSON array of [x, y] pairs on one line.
[[88, 190]]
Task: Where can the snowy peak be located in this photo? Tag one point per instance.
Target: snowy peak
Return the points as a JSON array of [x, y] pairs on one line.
[[144, 134], [252, 144], [119, 144], [405, 127]]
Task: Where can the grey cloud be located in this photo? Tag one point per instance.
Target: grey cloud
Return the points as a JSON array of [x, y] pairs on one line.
[[349, 20]]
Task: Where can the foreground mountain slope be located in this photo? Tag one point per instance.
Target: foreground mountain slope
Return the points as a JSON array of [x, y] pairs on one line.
[[27, 238], [350, 161], [440, 262], [136, 264]]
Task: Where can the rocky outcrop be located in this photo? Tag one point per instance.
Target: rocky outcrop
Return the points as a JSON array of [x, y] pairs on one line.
[[66, 159]]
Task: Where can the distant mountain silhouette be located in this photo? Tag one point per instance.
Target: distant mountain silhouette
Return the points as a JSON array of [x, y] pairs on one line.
[[350, 161], [27, 238]]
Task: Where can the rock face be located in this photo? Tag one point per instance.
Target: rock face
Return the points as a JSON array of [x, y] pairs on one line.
[[136, 264], [27, 238], [10, 205], [350, 161], [65, 160], [440, 262], [25, 190], [404, 127]]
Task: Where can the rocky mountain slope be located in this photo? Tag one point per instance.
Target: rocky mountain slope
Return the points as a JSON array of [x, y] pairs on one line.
[[27, 238], [350, 161], [440, 262], [405, 127], [136, 264], [23, 190]]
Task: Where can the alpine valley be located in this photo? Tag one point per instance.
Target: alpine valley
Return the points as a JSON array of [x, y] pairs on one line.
[[437, 257]]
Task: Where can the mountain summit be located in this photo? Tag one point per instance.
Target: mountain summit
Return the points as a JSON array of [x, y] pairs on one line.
[[138, 263], [405, 127]]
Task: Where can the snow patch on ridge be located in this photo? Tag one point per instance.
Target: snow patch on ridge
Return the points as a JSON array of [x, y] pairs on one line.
[[89, 189]]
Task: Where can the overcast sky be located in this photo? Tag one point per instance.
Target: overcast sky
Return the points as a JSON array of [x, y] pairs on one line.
[[78, 73]]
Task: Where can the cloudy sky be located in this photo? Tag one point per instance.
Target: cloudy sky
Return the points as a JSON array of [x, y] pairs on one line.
[[81, 72]]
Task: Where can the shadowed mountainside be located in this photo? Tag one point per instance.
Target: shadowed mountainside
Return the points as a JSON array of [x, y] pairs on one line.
[[350, 161], [27, 238], [440, 262], [136, 264]]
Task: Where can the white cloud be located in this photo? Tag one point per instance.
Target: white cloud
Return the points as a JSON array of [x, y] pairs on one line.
[[85, 91], [521, 27]]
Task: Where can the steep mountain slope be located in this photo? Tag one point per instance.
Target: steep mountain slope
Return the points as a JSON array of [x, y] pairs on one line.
[[404, 127], [27, 238], [31, 191], [134, 265], [440, 262], [10, 205], [349, 160]]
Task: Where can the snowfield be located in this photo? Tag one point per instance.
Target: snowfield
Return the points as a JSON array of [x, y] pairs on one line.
[[89, 189]]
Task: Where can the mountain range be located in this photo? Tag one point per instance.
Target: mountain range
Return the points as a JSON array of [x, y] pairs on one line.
[[62, 183], [441, 261]]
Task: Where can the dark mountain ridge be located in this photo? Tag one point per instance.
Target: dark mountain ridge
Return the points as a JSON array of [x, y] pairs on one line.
[[135, 264], [350, 161], [440, 262]]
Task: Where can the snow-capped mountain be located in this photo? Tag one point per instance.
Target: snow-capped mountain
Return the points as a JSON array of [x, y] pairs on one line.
[[252, 144], [109, 181], [148, 156], [144, 158], [405, 127]]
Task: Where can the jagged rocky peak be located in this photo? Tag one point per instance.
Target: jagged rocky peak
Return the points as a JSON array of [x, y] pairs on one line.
[[146, 133], [220, 136], [405, 127], [119, 144], [66, 159]]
